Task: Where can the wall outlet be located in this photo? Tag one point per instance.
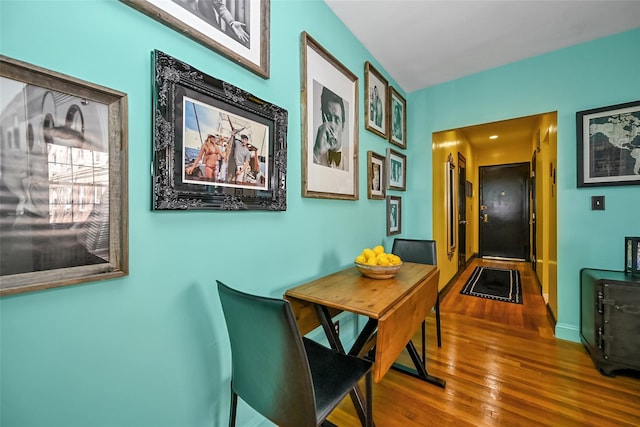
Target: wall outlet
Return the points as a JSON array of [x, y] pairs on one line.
[[336, 326]]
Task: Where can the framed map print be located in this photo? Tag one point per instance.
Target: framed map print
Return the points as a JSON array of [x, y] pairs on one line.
[[609, 145]]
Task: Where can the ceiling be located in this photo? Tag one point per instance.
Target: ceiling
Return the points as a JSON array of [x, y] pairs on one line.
[[421, 43]]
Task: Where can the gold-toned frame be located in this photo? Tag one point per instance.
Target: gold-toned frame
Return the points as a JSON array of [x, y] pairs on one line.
[[395, 101], [216, 39], [38, 129], [320, 181], [373, 160], [372, 77]]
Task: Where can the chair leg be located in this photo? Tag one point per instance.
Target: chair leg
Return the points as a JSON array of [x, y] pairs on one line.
[[232, 410], [424, 344], [369, 393], [438, 321]]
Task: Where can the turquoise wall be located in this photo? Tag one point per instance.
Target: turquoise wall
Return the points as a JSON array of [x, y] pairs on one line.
[[596, 74], [151, 349]]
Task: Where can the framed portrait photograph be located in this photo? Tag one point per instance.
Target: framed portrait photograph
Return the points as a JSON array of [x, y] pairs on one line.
[[237, 29], [215, 145], [394, 215], [376, 184], [63, 180], [330, 125], [609, 145], [396, 170], [376, 104], [397, 119]]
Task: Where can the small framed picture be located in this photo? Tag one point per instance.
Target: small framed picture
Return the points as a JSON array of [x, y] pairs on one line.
[[394, 215], [375, 101], [376, 184], [608, 145], [398, 119], [396, 170]]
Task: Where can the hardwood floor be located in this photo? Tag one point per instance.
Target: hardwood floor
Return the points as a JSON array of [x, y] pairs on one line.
[[503, 367]]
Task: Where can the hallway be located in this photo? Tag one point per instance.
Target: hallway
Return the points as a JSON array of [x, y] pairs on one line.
[[531, 314], [503, 367]]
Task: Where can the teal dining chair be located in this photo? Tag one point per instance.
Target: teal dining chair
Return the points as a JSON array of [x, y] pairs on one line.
[[421, 252], [289, 379]]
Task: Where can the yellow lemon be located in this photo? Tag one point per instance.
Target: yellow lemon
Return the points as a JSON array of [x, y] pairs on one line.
[[378, 249], [372, 261], [394, 259], [384, 261], [361, 259], [368, 253]]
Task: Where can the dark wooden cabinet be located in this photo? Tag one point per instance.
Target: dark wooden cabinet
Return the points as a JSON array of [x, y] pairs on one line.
[[610, 319]]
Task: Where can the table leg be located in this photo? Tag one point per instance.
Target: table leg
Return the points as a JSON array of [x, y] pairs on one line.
[[420, 371], [357, 398]]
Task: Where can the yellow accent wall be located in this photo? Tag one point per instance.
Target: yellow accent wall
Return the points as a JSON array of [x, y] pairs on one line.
[[546, 196]]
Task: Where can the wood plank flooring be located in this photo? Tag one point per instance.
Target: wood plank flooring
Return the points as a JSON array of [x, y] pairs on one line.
[[503, 367]]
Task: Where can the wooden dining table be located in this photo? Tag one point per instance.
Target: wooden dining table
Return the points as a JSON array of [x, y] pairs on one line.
[[395, 309]]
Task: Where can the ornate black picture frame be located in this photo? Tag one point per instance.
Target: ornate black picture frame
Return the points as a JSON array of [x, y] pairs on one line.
[[215, 146]]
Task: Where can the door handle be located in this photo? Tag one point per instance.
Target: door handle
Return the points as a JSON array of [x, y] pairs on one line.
[[462, 222], [485, 217]]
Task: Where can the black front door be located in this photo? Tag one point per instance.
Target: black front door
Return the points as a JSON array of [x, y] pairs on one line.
[[504, 211]]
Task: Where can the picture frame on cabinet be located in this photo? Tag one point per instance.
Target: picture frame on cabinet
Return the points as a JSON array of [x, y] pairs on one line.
[[376, 102], [609, 145], [330, 125], [396, 170], [215, 146], [394, 215], [632, 255], [240, 33], [63, 169], [376, 168], [397, 118]]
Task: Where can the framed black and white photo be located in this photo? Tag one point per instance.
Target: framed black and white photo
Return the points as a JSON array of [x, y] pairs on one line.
[[394, 215], [396, 170], [215, 145], [397, 118], [63, 174], [330, 125], [376, 184], [237, 29], [376, 104], [609, 145]]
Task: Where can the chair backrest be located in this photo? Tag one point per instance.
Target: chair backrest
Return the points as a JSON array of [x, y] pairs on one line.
[[270, 369], [414, 250]]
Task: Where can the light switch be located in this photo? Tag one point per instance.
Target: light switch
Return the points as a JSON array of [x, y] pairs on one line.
[[597, 203]]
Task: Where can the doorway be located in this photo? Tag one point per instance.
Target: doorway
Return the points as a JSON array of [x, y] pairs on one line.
[[504, 211]]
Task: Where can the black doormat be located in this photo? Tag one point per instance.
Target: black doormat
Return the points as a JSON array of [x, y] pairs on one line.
[[494, 283]]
